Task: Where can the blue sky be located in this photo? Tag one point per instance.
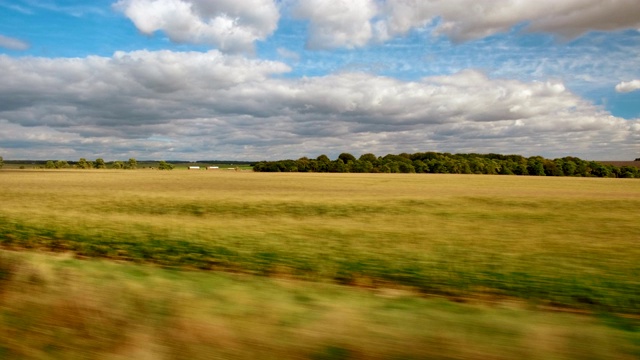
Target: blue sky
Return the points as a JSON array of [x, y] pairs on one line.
[[264, 79]]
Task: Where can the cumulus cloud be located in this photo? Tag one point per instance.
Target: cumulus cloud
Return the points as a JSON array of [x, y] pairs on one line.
[[229, 25], [12, 43], [336, 23], [183, 105], [467, 19], [628, 86]]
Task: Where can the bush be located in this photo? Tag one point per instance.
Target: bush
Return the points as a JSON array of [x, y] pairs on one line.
[[163, 165]]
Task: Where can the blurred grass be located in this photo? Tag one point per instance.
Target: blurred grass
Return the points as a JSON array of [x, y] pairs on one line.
[[562, 242], [58, 307]]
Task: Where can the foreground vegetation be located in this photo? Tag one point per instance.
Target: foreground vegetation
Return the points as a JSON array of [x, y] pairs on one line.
[[57, 307], [559, 242], [445, 163]]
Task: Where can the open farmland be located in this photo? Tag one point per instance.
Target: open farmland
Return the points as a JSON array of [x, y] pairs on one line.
[[566, 244]]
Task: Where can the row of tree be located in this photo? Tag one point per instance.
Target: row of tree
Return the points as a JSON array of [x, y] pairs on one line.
[[446, 163], [99, 163]]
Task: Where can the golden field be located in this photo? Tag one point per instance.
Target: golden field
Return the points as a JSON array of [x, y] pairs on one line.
[[509, 248]]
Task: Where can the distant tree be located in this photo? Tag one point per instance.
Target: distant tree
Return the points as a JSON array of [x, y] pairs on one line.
[[569, 167], [323, 158], [629, 172], [1, 162], [131, 164], [535, 166], [406, 168], [117, 165], [100, 164], [393, 166], [360, 166], [432, 162], [521, 169], [437, 166], [551, 168], [61, 164], [476, 165], [338, 166], [50, 165], [84, 164], [163, 165], [304, 164], [368, 157], [323, 163], [420, 166], [346, 157], [507, 168], [600, 170]]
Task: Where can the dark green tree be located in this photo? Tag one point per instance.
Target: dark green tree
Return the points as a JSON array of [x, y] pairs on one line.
[[61, 164], [346, 157], [84, 164], [406, 168], [535, 166], [50, 165], [393, 166], [117, 165], [163, 165], [360, 166], [369, 157], [600, 170], [629, 172], [338, 166], [100, 164], [304, 164], [551, 168], [131, 164], [568, 167], [323, 162], [420, 166], [1, 162]]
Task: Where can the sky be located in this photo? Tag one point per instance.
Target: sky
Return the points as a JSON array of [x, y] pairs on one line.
[[282, 79]]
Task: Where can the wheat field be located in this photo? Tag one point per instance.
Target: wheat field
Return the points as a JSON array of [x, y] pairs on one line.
[[567, 245]]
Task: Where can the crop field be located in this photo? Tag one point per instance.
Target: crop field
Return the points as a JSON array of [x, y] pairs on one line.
[[323, 266]]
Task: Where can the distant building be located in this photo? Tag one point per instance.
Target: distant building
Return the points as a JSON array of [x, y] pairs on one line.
[[194, 167]]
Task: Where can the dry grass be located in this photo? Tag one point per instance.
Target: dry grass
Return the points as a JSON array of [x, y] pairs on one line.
[[55, 307], [568, 242]]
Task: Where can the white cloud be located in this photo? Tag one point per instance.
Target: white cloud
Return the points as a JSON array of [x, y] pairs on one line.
[[288, 54], [467, 19], [12, 43], [628, 86], [182, 105], [336, 23], [227, 24]]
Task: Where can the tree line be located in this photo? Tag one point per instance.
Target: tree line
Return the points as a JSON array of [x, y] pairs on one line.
[[99, 163], [446, 163]]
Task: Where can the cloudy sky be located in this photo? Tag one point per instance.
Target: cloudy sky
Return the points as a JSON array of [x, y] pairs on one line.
[[276, 79]]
